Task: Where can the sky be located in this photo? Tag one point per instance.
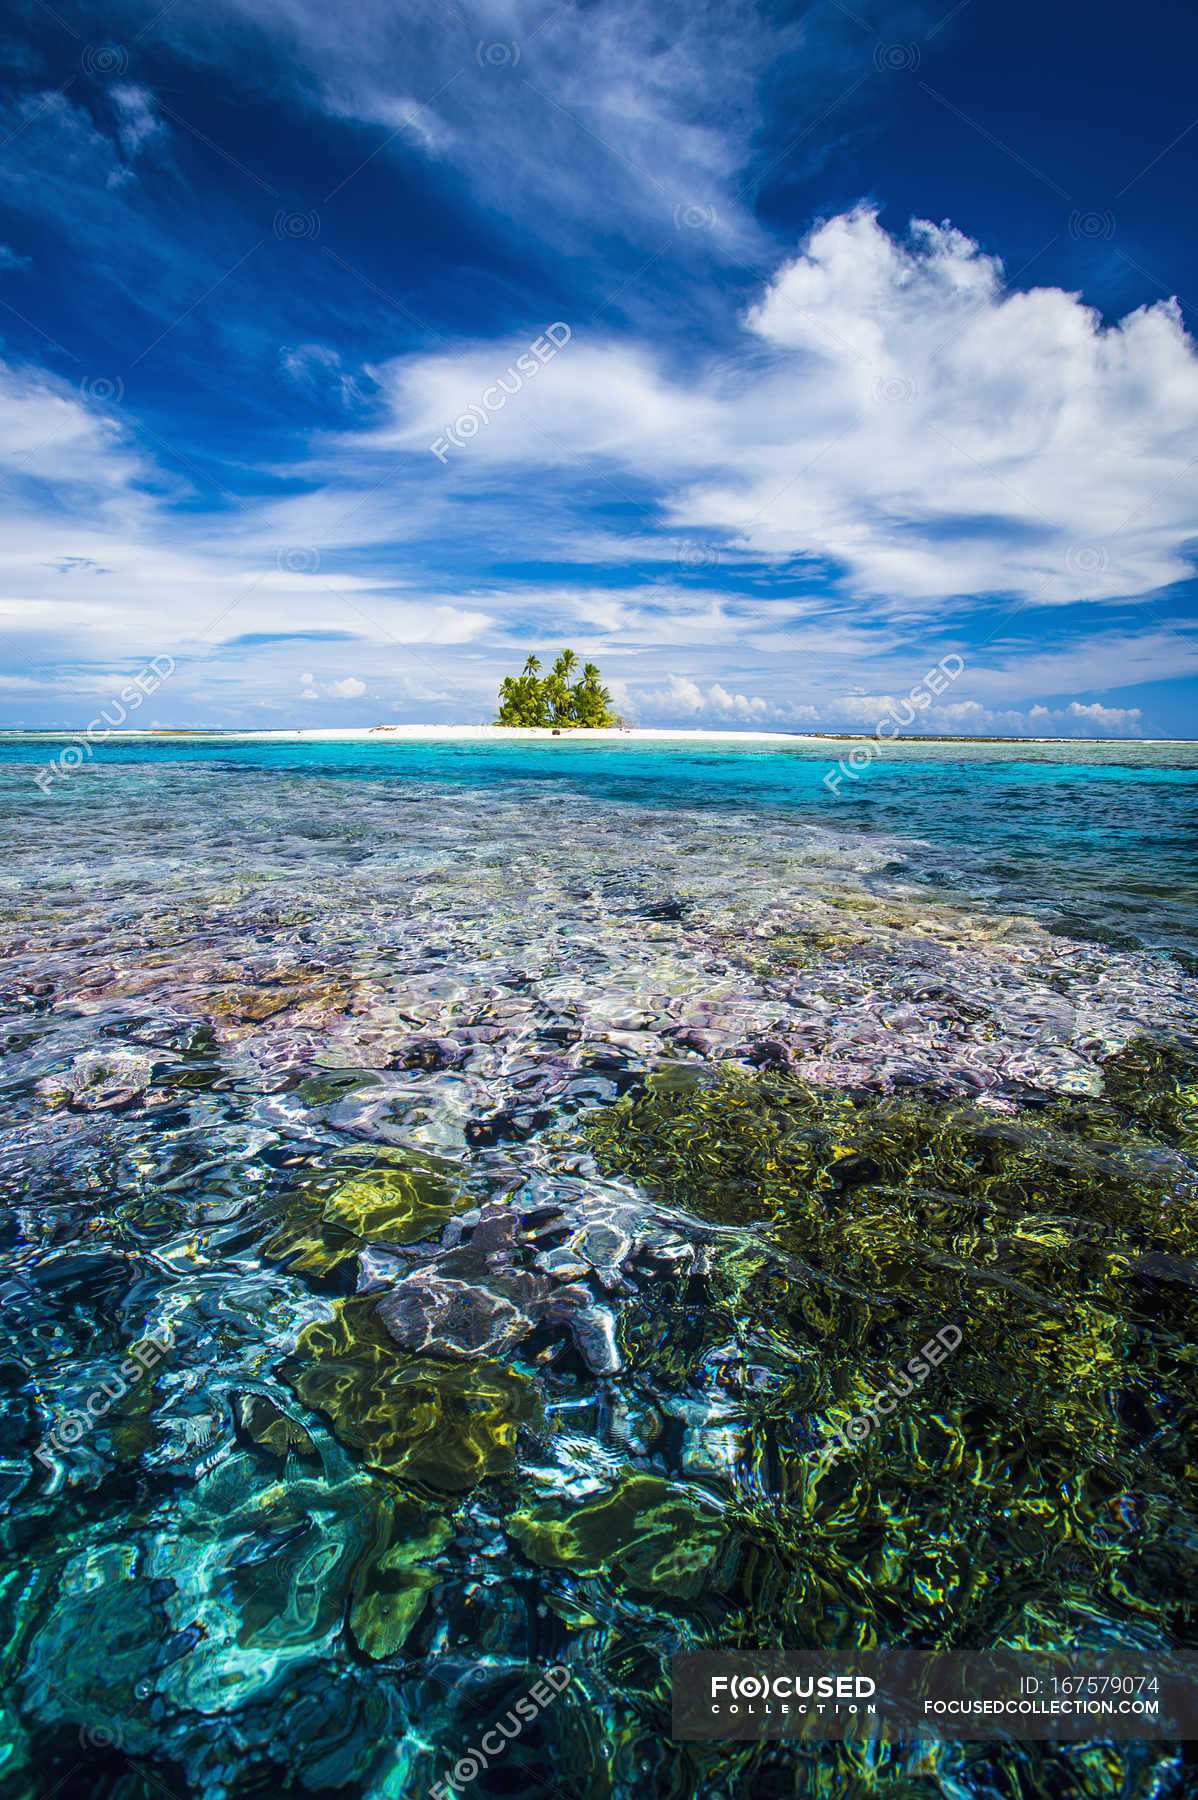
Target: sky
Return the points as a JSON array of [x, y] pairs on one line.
[[767, 355]]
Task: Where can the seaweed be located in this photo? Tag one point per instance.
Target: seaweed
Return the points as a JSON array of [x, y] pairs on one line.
[[431, 1422], [337, 1207], [1037, 1483]]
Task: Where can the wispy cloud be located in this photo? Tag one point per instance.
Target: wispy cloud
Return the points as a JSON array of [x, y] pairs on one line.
[[777, 466]]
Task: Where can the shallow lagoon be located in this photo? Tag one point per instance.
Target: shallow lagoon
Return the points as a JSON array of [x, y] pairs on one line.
[[528, 1158]]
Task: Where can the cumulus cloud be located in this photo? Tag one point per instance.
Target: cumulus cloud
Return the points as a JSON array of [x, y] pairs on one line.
[[1078, 719], [861, 709], [896, 421], [1107, 721], [347, 687], [895, 412], [683, 698]]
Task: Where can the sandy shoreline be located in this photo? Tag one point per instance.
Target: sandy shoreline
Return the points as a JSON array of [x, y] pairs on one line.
[[348, 733], [517, 733]]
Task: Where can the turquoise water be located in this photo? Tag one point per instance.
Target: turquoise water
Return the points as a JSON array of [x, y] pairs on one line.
[[1099, 842], [455, 1194]]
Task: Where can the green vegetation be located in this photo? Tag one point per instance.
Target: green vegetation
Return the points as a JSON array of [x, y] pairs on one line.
[[551, 700]]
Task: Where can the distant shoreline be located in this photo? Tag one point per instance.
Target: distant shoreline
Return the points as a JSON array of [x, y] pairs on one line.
[[518, 733]]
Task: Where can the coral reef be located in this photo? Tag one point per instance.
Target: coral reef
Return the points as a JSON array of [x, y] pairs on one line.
[[575, 1229]]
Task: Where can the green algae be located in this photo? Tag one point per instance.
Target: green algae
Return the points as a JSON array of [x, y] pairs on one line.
[[1032, 1488], [1157, 1084], [1037, 1486], [391, 1591], [657, 1536], [268, 1426], [413, 1417], [382, 1620], [391, 1196]]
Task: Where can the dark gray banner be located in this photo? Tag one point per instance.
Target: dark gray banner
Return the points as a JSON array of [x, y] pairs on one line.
[[904, 1695]]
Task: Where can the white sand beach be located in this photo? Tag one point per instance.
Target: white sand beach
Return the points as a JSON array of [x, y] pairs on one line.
[[631, 735]]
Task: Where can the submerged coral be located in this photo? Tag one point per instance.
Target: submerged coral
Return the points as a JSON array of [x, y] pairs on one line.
[[547, 1205], [475, 1298], [101, 1081]]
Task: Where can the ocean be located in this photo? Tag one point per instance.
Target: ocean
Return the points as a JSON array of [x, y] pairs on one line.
[[464, 1200]]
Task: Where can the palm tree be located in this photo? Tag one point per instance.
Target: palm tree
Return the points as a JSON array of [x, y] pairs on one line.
[[528, 699], [558, 695]]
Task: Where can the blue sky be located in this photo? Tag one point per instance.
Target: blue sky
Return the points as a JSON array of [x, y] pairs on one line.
[[870, 347]]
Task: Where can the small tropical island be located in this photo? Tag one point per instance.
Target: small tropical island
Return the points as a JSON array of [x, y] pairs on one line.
[[533, 699]]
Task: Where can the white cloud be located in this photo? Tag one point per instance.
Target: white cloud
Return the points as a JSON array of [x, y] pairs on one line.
[[320, 369], [1107, 721], [401, 114], [894, 412], [861, 709], [299, 361], [136, 118], [642, 121], [49, 434], [1075, 720], [348, 687], [890, 490], [683, 698]]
